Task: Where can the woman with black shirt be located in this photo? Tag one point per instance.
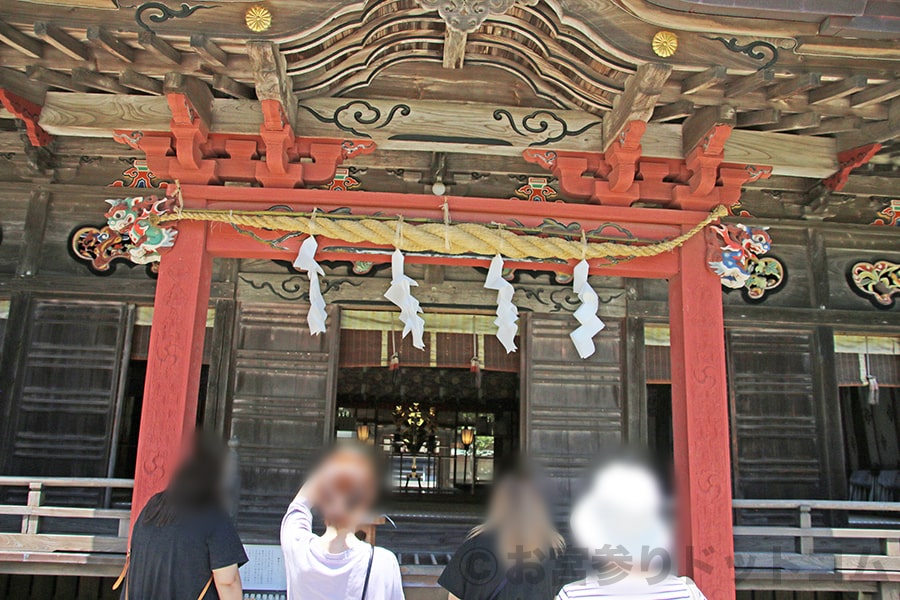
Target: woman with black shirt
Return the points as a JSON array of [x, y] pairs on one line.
[[516, 554], [184, 545]]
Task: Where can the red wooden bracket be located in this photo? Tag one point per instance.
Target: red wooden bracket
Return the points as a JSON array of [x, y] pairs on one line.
[[569, 169], [29, 113], [274, 158], [622, 176], [849, 160], [623, 155], [189, 131]]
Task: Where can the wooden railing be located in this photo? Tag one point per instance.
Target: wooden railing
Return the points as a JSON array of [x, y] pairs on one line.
[[852, 541], [855, 543], [52, 539]]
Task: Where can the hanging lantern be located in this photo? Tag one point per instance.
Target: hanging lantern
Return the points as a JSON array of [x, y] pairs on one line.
[[362, 432], [467, 436]]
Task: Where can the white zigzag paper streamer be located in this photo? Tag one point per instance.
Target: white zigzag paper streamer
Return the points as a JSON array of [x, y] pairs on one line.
[[306, 261], [400, 295], [586, 314], [507, 313]]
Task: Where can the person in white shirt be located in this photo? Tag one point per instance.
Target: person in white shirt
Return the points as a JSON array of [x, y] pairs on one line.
[[620, 521], [337, 565]]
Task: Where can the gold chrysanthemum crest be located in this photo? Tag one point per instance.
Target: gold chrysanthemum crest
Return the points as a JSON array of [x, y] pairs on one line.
[[665, 43], [258, 19]]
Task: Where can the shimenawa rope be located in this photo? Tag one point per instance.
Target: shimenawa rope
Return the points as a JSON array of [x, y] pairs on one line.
[[438, 237]]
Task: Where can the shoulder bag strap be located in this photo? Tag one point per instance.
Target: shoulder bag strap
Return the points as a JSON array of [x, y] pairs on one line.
[[205, 588], [368, 573], [123, 574]]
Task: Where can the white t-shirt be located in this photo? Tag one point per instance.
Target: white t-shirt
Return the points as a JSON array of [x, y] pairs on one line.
[[313, 574], [631, 588]]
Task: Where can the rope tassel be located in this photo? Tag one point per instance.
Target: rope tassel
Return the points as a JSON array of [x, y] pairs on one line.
[[507, 313], [586, 314], [306, 261], [399, 294]]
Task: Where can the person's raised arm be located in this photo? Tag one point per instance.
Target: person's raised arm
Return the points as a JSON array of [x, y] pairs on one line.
[[228, 582]]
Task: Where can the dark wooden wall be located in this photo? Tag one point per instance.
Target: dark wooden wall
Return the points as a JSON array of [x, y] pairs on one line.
[[573, 408], [282, 407], [62, 400], [776, 416]]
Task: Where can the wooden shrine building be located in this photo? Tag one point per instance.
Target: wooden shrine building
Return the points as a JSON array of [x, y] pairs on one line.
[[725, 173]]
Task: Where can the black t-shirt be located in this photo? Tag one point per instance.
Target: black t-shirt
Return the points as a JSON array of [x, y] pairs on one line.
[[174, 562], [477, 573]]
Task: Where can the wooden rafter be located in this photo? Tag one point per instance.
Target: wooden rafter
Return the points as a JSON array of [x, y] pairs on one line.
[[25, 44], [105, 40], [62, 41]]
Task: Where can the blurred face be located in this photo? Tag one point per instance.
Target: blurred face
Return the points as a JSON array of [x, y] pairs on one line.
[[348, 489]]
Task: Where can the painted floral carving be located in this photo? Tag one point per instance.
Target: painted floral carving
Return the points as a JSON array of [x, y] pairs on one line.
[[131, 218], [138, 175], [734, 254], [102, 249], [890, 215], [537, 190], [878, 282]]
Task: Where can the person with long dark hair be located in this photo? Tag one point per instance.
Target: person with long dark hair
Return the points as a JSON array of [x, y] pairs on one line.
[[516, 553], [184, 545]]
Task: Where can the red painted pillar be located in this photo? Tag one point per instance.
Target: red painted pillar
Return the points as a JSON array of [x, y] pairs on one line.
[[173, 366], [700, 421]]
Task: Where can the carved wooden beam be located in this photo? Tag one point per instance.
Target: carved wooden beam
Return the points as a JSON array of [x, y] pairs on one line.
[[272, 80], [698, 128], [190, 102], [62, 41], [703, 137], [467, 129], [849, 160], [637, 101], [454, 48]]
